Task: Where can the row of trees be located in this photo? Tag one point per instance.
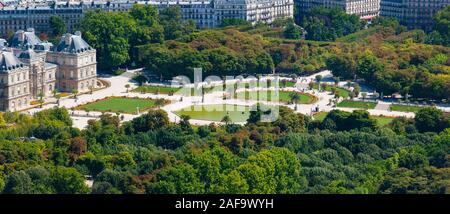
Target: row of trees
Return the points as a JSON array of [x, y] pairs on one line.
[[328, 24], [395, 63], [344, 153], [441, 33], [166, 44], [217, 52], [116, 35]]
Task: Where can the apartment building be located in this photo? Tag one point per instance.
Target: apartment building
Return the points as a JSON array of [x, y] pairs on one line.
[[413, 13], [365, 9], [206, 13]]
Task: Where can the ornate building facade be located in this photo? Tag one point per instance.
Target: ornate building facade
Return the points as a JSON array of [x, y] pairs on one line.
[[413, 13], [206, 13], [31, 68], [365, 9]]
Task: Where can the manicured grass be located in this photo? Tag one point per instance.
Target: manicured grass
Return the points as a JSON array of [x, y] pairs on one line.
[[119, 104], [155, 89], [282, 97], [216, 112], [405, 108], [381, 120], [320, 115], [356, 104], [343, 92], [288, 84]]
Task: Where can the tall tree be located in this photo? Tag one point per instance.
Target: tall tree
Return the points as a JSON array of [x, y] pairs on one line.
[[69, 181], [441, 34], [430, 119], [109, 34], [292, 31], [57, 26], [368, 65], [174, 25]]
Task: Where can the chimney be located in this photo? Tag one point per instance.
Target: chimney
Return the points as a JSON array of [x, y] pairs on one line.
[[31, 30], [21, 36], [78, 33], [68, 38]]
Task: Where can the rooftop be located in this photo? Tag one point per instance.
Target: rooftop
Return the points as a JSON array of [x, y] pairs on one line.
[[24, 39], [72, 44], [8, 61]]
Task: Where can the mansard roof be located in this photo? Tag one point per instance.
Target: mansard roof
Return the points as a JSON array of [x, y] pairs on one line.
[[8, 61], [72, 44], [28, 54], [24, 39]]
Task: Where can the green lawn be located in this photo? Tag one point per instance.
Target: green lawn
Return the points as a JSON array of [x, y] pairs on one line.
[[405, 108], [155, 89], [356, 104], [381, 121], [343, 92], [320, 115], [283, 96], [216, 112], [119, 104], [288, 84]]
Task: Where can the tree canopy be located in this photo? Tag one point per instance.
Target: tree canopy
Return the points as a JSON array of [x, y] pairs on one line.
[[344, 153]]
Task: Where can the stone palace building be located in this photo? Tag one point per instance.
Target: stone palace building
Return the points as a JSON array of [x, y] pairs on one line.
[[31, 68]]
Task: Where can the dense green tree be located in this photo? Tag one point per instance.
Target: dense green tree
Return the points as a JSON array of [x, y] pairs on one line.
[[120, 182], [327, 24], [441, 33], [174, 25], [406, 181], [69, 181], [41, 179], [57, 26], [342, 66], [151, 121], [290, 121], [149, 30], [368, 65], [109, 33], [292, 31], [430, 119], [181, 179], [18, 183], [341, 120], [104, 188]]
